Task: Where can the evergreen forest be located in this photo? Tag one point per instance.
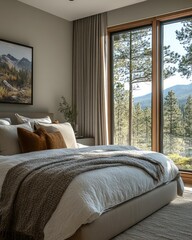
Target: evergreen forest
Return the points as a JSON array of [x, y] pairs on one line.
[[132, 67]]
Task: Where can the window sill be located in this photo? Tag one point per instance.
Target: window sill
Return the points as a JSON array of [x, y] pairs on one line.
[[187, 177]]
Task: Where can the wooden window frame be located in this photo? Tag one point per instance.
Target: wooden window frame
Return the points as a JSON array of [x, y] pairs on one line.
[[155, 22], [129, 26]]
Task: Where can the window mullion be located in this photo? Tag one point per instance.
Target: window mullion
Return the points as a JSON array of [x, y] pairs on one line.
[[154, 86]]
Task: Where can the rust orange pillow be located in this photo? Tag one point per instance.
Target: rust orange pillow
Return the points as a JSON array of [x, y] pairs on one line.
[[39, 140], [31, 141], [54, 140]]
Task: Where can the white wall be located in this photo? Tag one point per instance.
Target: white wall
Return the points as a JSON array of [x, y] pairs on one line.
[[147, 9], [51, 38]]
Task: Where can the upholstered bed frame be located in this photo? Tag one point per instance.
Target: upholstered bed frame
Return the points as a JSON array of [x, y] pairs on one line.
[[122, 217], [127, 214]]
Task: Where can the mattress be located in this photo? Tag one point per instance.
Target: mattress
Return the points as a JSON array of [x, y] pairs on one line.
[[93, 193]]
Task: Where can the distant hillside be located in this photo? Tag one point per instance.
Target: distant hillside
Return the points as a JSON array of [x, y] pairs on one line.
[[181, 91]]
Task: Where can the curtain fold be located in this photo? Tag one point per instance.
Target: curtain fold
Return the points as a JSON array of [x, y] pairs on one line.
[[90, 76]]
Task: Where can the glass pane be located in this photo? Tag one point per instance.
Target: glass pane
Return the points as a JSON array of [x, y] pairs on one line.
[[177, 92], [132, 84]]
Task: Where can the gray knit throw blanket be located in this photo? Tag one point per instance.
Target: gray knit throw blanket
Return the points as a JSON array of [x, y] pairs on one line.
[[33, 189]]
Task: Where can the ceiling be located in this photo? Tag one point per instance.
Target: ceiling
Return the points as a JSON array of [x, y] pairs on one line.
[[72, 10]]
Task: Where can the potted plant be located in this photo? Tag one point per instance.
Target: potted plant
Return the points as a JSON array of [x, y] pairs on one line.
[[69, 112]]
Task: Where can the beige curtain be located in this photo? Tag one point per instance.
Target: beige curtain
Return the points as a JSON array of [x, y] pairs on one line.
[[90, 76]]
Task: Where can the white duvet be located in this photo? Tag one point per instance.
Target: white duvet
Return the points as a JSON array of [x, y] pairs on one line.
[[92, 193]]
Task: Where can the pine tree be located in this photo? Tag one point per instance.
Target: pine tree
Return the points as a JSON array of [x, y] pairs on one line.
[[132, 64], [121, 98], [147, 127], [185, 38], [173, 127], [137, 125], [170, 58], [188, 122]]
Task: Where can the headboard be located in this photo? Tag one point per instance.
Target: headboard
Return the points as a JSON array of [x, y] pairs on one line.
[[11, 115]]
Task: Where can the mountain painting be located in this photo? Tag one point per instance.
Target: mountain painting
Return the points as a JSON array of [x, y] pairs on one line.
[[16, 73]]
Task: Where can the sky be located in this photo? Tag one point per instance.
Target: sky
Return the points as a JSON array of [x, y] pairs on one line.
[[15, 50], [145, 88], [169, 39]]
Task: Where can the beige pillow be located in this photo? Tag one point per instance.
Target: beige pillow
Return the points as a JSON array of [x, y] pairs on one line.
[[22, 119], [9, 144], [5, 121], [66, 131]]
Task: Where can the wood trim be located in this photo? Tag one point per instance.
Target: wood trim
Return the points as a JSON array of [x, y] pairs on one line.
[[149, 21], [158, 68], [186, 176], [156, 65], [126, 26], [154, 86], [175, 15], [109, 89]]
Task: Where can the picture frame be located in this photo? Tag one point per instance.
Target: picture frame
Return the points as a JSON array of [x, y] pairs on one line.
[[16, 73]]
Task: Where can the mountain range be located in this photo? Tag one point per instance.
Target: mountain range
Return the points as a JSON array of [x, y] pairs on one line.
[[18, 64], [181, 91]]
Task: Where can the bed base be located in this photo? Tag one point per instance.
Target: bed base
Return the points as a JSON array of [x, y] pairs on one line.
[[127, 214]]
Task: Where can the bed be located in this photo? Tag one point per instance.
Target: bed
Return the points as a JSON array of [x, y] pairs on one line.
[[106, 204]]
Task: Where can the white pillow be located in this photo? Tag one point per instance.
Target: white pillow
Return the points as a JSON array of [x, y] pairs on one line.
[[66, 131], [22, 119], [9, 144], [5, 121]]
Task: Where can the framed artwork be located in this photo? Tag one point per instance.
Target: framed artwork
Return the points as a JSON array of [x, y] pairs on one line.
[[16, 73]]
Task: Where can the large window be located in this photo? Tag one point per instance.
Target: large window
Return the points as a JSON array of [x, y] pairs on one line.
[[177, 91], [132, 78], [151, 86]]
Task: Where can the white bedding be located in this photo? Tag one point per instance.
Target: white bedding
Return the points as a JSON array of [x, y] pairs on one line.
[[92, 193]]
